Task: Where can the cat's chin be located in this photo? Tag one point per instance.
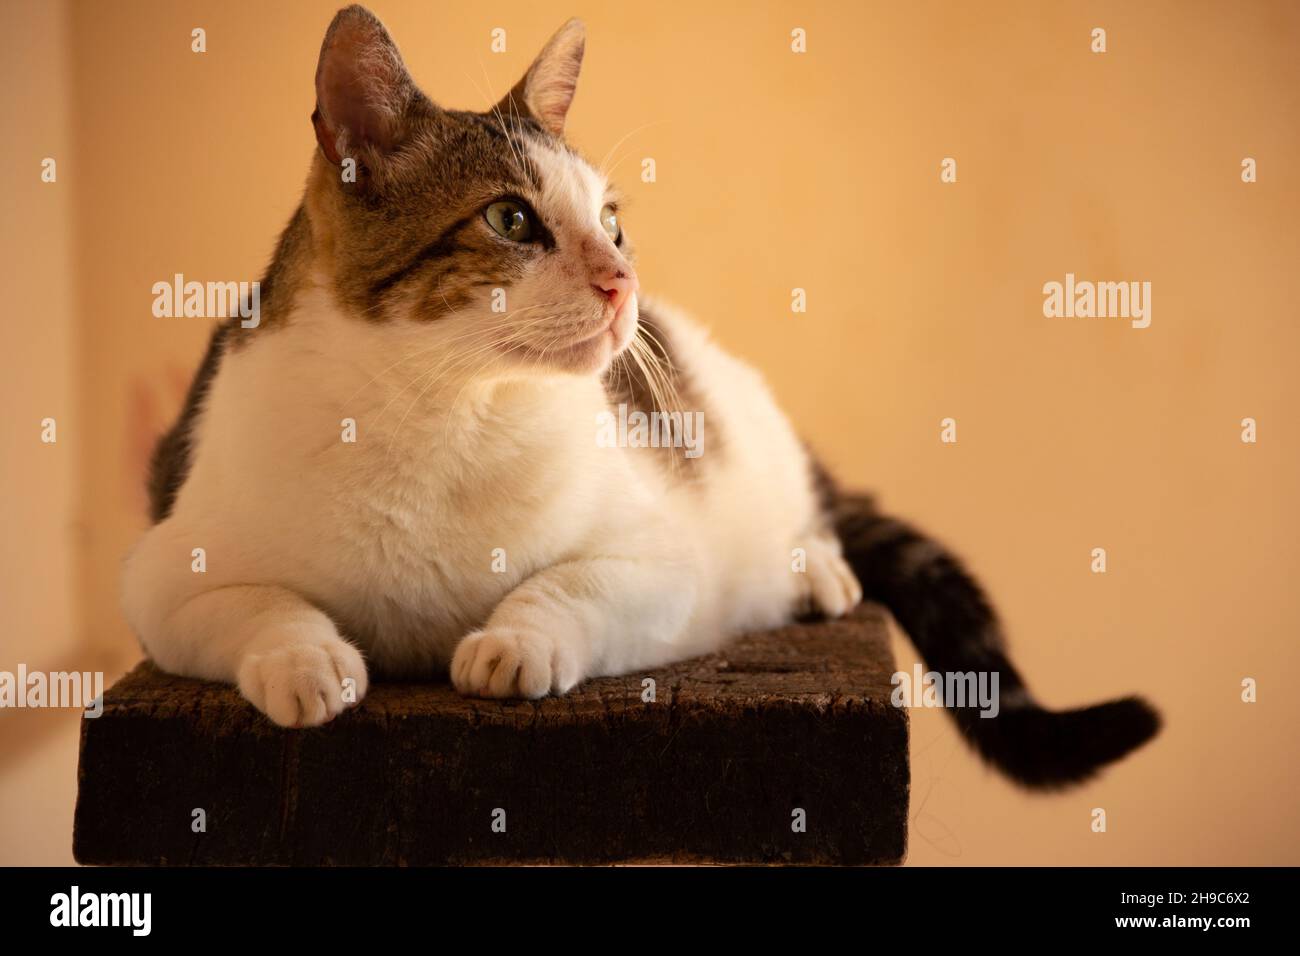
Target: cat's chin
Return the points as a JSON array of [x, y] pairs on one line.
[[588, 356]]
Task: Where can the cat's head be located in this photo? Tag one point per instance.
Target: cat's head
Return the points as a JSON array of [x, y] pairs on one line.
[[480, 229]]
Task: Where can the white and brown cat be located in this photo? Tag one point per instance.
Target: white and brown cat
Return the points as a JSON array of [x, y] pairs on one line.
[[476, 525]]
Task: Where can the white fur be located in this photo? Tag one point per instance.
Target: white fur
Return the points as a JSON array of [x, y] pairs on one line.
[[320, 552]]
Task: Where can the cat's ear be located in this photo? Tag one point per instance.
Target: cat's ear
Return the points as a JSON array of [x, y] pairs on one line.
[[547, 89], [362, 87]]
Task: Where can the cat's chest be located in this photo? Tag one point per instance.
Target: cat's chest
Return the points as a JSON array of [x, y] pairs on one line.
[[400, 510], [421, 555], [470, 511]]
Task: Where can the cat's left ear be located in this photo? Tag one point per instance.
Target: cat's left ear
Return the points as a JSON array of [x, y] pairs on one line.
[[546, 90]]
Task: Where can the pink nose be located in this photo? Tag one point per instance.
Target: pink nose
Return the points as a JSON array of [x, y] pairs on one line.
[[617, 288]]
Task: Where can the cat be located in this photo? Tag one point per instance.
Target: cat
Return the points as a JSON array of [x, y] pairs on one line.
[[473, 525]]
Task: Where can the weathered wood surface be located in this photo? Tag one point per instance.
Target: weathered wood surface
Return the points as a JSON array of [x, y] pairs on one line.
[[712, 770]]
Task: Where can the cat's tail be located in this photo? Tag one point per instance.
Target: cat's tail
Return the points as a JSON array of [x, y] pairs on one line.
[[945, 613]]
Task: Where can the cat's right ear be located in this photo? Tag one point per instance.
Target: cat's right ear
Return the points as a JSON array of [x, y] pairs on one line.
[[546, 91], [362, 87]]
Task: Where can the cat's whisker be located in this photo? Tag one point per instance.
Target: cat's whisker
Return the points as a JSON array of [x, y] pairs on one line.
[[668, 400], [528, 162], [626, 136], [506, 346], [403, 360], [508, 319], [374, 378], [458, 363], [491, 98], [451, 411], [458, 360], [655, 401], [396, 395], [662, 384], [472, 336], [670, 373]]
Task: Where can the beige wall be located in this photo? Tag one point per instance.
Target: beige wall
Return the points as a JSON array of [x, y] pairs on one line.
[[776, 170], [37, 500], [39, 482]]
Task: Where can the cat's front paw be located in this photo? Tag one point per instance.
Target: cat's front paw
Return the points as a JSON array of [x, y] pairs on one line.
[[829, 585], [300, 682], [510, 662]]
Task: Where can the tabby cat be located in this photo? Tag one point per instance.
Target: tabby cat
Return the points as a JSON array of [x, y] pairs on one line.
[[476, 524]]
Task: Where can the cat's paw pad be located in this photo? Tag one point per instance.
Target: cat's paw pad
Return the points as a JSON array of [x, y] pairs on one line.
[[829, 585], [509, 662], [303, 683]]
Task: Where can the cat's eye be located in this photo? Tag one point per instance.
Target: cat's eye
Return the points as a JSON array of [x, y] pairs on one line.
[[609, 221], [510, 220]]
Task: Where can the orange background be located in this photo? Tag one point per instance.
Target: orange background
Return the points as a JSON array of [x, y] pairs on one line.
[[775, 171]]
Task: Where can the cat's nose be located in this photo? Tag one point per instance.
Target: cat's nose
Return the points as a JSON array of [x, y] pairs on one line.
[[617, 287]]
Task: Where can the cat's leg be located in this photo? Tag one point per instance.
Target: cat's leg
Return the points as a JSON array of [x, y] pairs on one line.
[[826, 583], [285, 654], [578, 619]]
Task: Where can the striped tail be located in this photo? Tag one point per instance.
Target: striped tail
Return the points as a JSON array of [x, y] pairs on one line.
[[945, 613]]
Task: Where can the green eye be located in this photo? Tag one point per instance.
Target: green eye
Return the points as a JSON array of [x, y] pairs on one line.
[[609, 220], [510, 220]]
